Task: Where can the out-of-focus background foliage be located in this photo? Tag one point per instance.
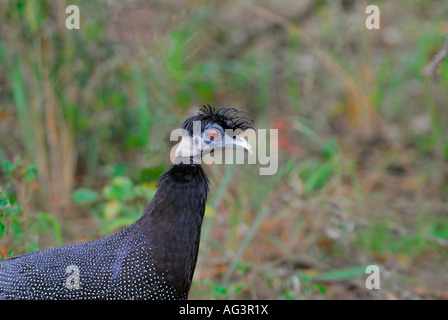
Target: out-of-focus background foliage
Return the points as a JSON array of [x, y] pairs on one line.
[[85, 117]]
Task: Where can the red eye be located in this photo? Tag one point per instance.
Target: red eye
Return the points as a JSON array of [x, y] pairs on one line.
[[213, 133]]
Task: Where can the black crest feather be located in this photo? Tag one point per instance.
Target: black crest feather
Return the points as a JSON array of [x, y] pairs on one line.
[[228, 118]]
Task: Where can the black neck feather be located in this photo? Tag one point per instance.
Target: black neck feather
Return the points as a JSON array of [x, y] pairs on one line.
[[172, 222]]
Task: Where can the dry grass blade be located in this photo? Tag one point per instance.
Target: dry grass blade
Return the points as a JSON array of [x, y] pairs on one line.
[[430, 70]]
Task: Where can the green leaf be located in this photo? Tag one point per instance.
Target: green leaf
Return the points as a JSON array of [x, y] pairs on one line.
[[54, 224], [6, 166], [152, 174], [176, 54], [120, 188], [315, 176], [210, 211], [341, 274], [21, 102], [145, 190], [445, 150], [144, 118], [10, 210], [238, 288], [30, 173], [119, 170], [111, 210], [320, 288], [3, 201], [330, 148], [85, 196], [2, 229], [219, 289]]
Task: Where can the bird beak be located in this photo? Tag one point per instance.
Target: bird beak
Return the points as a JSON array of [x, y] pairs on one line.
[[240, 143]]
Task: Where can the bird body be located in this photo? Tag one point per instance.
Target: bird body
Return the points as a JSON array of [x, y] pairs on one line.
[[154, 258], [139, 262]]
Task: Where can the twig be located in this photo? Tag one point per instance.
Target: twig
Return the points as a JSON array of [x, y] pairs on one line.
[[431, 68], [438, 241]]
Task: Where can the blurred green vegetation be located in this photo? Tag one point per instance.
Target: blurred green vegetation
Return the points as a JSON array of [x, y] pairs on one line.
[[85, 117]]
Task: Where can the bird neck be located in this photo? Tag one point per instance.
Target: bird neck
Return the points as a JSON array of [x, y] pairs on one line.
[[181, 194], [172, 222]]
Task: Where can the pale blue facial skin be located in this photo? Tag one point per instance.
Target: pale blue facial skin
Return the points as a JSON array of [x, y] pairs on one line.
[[202, 143]]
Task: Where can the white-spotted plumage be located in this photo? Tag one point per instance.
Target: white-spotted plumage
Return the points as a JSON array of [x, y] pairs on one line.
[[117, 267]]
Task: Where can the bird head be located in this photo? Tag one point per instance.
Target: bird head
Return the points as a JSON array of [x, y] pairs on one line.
[[212, 130]]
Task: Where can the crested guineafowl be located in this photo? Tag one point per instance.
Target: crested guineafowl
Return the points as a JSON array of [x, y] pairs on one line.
[[155, 257]]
